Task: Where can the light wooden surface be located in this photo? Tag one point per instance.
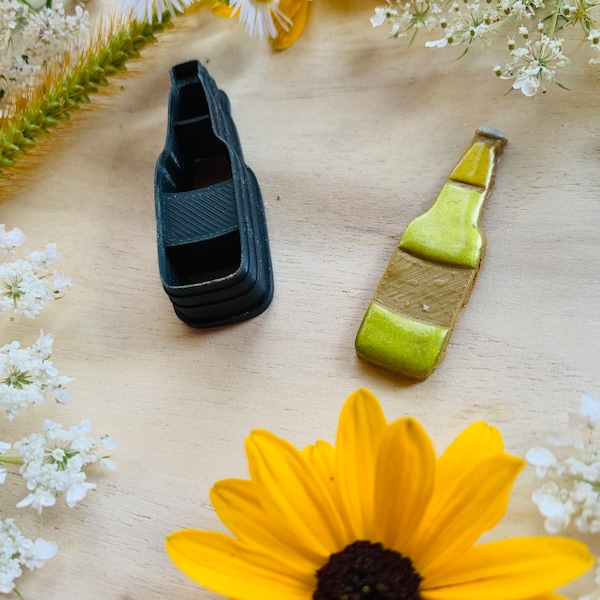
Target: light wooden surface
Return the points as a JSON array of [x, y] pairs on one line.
[[351, 135]]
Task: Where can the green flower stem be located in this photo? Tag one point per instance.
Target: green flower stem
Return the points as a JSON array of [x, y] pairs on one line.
[[501, 23], [595, 484], [554, 21], [24, 2], [12, 460], [102, 60]]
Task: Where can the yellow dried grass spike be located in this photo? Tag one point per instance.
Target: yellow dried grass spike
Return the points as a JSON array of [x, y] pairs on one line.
[[67, 83]]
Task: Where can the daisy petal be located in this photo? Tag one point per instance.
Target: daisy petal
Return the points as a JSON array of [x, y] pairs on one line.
[[259, 16], [231, 568], [297, 13], [404, 481], [361, 427], [240, 509], [477, 503], [510, 570], [293, 493]]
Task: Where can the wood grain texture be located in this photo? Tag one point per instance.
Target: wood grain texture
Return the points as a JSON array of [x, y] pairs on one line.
[[351, 136]]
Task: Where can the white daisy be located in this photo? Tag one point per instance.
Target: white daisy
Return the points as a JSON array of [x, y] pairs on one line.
[[144, 9], [258, 16]]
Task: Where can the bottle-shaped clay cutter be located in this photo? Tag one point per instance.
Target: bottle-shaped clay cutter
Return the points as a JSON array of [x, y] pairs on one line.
[[432, 271], [213, 249]]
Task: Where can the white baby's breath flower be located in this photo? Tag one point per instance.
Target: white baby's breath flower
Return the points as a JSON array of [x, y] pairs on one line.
[[4, 448], [35, 553], [382, 15], [54, 462], [32, 35], [570, 494], [61, 284], [76, 492], [542, 459], [588, 415], [555, 505], [28, 285], [38, 499], [562, 438], [28, 377], [594, 36], [535, 63], [463, 23], [441, 43], [17, 551], [42, 258], [527, 83], [9, 240], [110, 443]]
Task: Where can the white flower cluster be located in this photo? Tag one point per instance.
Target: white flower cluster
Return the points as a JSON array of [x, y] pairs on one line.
[[570, 495], [28, 377], [17, 551], [4, 447], [535, 51], [28, 284], [29, 37], [53, 463], [533, 63]]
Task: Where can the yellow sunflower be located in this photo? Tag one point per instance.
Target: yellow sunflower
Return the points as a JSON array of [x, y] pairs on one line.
[[378, 517], [282, 21]]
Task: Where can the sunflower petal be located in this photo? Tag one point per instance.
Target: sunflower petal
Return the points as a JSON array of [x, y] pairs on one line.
[[231, 568], [321, 457], [293, 493], [297, 12], [474, 445], [403, 481], [478, 442], [510, 570], [478, 501], [240, 509], [361, 427]]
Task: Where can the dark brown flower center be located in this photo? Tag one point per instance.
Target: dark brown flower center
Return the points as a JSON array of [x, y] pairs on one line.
[[367, 571]]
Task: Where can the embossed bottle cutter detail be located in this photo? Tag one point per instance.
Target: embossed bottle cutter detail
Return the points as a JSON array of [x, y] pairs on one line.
[[433, 269]]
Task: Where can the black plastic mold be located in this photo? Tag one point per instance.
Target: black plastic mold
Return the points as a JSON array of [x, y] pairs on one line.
[[213, 249]]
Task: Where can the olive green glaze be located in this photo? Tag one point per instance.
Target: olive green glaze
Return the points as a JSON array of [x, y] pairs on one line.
[[403, 345], [476, 167], [431, 273], [448, 231]]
